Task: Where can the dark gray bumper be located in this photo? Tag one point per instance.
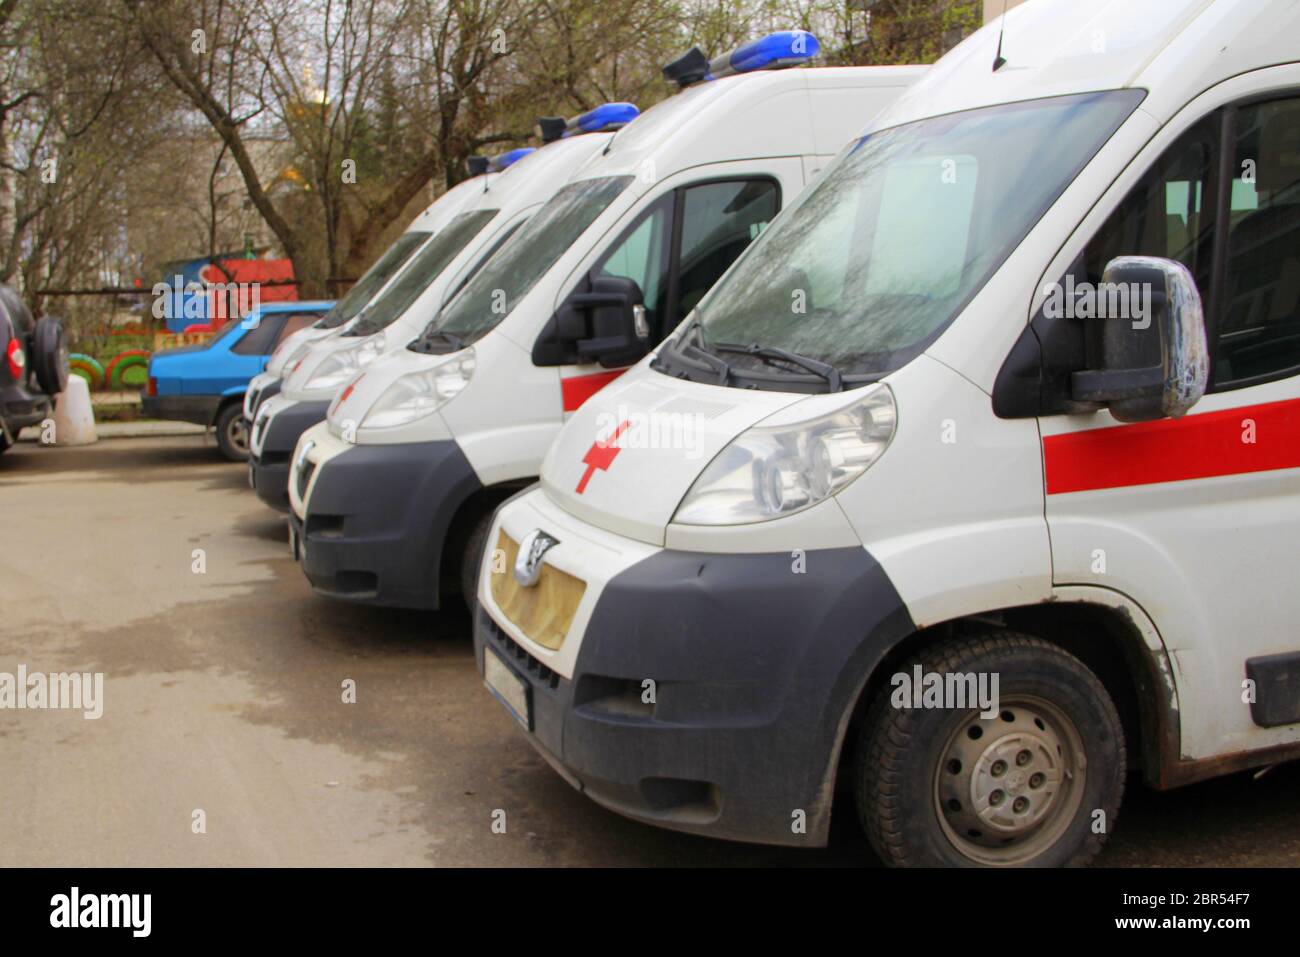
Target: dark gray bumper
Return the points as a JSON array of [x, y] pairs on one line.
[[269, 471], [756, 670], [378, 521], [264, 393]]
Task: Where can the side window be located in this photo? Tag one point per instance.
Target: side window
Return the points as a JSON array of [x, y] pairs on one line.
[[642, 256], [718, 221], [1179, 209], [259, 340], [292, 324], [1170, 212], [1258, 332]]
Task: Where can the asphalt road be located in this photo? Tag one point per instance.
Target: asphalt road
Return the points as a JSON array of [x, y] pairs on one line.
[[223, 695]]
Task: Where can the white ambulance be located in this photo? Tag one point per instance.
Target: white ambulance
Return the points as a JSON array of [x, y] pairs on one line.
[[267, 383], [486, 211], [972, 486], [391, 497]]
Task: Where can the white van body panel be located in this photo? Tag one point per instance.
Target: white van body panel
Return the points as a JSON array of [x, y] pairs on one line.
[[953, 511]]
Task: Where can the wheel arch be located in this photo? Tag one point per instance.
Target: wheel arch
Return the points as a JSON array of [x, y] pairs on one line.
[[1101, 628], [468, 511], [224, 400]]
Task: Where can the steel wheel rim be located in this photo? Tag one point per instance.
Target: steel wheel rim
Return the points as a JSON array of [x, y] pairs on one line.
[[1007, 793], [237, 434]]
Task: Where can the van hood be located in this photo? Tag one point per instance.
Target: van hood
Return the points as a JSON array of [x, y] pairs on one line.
[[628, 456], [292, 344]]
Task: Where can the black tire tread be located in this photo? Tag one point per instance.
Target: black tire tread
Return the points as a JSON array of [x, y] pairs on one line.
[[888, 739], [220, 424]]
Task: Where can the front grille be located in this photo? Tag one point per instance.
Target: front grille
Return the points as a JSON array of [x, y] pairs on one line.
[[519, 655], [304, 478]]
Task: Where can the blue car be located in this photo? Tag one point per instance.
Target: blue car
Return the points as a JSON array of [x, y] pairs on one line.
[[205, 384]]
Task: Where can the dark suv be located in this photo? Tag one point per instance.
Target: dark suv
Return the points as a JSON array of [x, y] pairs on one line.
[[33, 366]]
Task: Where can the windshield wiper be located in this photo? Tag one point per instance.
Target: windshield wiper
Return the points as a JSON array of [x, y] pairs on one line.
[[773, 355], [680, 344]]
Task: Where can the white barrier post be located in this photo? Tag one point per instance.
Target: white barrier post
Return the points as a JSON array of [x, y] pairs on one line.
[[74, 419]]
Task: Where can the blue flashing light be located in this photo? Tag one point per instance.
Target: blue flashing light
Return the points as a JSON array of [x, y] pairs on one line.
[[509, 159], [785, 48], [607, 116]]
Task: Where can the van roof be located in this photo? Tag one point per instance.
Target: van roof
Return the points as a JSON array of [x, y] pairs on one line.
[[535, 177], [1175, 49], [751, 115]]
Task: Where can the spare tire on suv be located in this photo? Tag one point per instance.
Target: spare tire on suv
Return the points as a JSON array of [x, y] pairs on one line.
[[50, 355]]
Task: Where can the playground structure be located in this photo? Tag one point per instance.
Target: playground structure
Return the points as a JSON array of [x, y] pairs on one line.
[[122, 363]]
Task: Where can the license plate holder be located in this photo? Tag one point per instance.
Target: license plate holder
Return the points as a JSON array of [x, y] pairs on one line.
[[508, 688]]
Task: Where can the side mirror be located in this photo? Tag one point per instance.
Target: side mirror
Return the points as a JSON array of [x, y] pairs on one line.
[[1148, 354], [606, 324]]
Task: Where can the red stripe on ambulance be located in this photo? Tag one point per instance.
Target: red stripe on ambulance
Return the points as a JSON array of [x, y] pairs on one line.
[[578, 389], [1251, 438]]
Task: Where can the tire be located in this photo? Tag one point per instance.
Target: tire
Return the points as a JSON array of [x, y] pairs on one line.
[[472, 560], [232, 432], [122, 363], [50, 355], [88, 368], [923, 775]]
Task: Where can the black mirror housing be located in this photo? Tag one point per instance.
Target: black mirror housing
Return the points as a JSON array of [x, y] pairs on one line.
[[601, 323], [1147, 350]]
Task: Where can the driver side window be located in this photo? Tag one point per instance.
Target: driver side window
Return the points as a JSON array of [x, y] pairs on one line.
[[642, 256], [1248, 229]]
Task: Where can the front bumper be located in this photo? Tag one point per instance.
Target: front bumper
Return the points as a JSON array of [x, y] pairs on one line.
[[262, 387], [199, 409], [756, 669], [373, 519], [268, 460]]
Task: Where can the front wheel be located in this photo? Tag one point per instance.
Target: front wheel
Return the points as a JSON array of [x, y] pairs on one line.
[[232, 432], [1037, 782]]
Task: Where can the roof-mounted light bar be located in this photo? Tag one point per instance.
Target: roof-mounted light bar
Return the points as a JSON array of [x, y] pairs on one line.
[[477, 165], [505, 160], [604, 118], [772, 52]]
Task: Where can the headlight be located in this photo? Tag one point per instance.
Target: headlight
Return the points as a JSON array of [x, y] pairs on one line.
[[343, 365], [421, 393], [773, 470]]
